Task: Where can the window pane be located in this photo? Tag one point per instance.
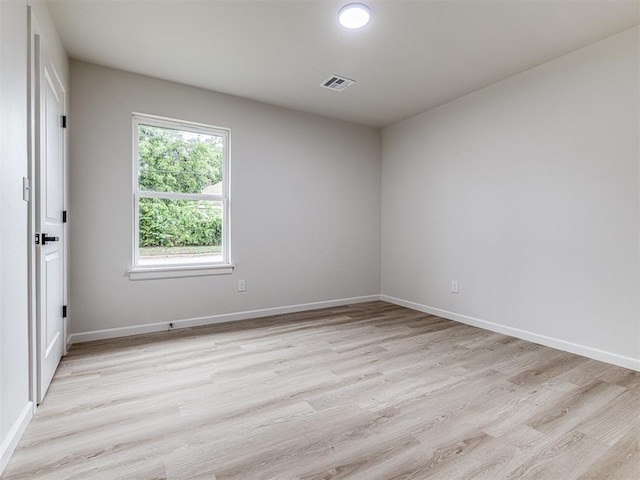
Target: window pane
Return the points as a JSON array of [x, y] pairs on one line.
[[179, 161], [179, 231]]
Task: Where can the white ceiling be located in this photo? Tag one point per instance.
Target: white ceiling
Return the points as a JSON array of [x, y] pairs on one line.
[[414, 55]]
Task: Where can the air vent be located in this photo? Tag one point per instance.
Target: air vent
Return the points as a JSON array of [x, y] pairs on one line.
[[336, 83]]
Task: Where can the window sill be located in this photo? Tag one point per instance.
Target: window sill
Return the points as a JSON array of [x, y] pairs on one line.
[[178, 271]]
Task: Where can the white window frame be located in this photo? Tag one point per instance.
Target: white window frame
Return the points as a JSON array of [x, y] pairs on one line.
[[169, 270]]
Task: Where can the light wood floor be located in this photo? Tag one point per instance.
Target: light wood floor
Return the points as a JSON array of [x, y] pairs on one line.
[[370, 391]]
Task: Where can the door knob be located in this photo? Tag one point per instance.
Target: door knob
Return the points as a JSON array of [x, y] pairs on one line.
[[46, 238]]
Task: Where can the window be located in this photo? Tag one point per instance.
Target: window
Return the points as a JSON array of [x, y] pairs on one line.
[[181, 198]]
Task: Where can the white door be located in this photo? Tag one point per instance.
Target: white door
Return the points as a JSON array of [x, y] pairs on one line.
[[49, 203]]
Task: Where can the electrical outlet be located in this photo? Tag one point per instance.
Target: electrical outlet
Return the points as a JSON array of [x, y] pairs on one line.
[[454, 286], [242, 285]]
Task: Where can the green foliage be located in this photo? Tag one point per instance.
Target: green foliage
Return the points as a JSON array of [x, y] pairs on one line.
[[172, 223], [172, 162]]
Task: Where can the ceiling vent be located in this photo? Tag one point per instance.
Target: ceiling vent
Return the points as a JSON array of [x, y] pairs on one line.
[[336, 83]]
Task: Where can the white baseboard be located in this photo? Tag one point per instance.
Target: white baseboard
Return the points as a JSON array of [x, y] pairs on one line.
[[594, 353], [210, 320], [11, 442]]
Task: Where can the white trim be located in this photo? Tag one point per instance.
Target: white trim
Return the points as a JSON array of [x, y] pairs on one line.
[[13, 437], [594, 353], [164, 271], [213, 319], [181, 196], [34, 31], [638, 183], [172, 123], [590, 352], [193, 127]]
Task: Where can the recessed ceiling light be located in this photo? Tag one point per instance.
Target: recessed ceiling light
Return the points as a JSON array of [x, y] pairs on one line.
[[354, 16]]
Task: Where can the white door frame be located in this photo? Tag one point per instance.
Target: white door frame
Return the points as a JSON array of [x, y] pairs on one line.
[[34, 70]]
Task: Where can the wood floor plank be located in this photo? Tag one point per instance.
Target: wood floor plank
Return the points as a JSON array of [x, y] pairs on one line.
[[615, 419], [569, 410], [618, 463], [565, 458], [369, 391]]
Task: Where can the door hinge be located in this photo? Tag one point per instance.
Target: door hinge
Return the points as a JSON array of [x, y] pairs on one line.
[[64, 216], [64, 121], [64, 311]]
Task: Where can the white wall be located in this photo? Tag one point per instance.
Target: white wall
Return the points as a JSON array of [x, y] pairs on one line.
[[526, 192], [305, 201], [14, 319], [15, 404]]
